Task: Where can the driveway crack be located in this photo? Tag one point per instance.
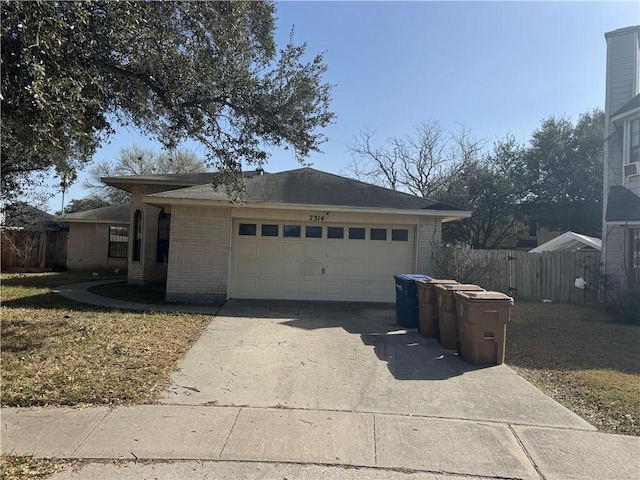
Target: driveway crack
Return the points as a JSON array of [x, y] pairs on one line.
[[226, 440], [526, 452]]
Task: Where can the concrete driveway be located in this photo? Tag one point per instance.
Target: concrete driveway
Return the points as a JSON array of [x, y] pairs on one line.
[[348, 358]]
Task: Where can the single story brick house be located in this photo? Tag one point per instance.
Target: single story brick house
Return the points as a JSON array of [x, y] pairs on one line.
[[301, 234]]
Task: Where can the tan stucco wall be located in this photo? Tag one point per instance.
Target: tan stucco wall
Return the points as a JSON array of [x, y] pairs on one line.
[[89, 247], [199, 254]]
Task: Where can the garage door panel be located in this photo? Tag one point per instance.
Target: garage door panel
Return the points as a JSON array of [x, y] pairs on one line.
[[312, 287], [356, 270], [355, 288], [334, 251], [290, 249], [312, 269], [334, 269], [356, 252], [268, 286], [334, 288], [269, 249], [379, 288], [248, 248], [269, 267], [314, 250], [289, 268], [247, 266], [399, 255], [246, 286], [290, 287], [318, 268], [377, 271]]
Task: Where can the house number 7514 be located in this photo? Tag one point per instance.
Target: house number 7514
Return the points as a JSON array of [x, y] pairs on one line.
[[316, 218]]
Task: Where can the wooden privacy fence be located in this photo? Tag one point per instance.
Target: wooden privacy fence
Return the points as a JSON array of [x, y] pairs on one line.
[[524, 275], [28, 249]]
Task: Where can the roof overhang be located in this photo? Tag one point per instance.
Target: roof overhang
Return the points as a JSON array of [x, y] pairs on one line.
[[128, 184], [88, 220], [445, 215]]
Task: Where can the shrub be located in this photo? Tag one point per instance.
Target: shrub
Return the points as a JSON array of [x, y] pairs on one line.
[[624, 307]]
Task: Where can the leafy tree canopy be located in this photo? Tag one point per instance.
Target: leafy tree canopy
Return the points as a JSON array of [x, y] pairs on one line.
[[563, 168], [209, 71], [491, 188], [139, 161]]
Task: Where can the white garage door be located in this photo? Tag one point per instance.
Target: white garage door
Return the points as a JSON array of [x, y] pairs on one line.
[[337, 262]]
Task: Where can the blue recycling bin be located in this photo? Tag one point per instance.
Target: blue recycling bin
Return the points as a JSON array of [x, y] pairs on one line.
[[407, 299]]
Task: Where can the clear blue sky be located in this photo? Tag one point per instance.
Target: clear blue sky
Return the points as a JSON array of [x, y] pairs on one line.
[[496, 67]]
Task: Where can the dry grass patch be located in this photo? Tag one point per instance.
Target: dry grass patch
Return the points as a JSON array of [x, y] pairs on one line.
[[17, 468], [576, 355], [58, 352]]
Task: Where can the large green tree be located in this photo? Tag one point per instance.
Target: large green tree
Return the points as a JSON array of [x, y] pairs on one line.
[[492, 189], [209, 71], [563, 168]]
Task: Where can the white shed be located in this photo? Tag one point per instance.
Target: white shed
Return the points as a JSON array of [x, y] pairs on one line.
[[569, 241]]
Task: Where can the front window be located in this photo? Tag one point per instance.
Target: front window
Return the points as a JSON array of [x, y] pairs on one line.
[[118, 242], [162, 244], [137, 236]]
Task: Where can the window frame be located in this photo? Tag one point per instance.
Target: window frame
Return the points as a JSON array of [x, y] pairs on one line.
[[121, 247]]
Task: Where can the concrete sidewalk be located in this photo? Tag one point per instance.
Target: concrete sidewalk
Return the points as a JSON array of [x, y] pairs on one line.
[[382, 441]]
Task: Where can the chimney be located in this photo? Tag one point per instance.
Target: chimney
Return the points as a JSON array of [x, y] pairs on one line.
[[259, 171]]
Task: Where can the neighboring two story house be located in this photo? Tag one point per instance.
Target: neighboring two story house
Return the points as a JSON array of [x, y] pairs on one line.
[[621, 212]]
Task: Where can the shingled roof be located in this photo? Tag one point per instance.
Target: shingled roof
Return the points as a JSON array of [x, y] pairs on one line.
[[623, 205], [111, 214], [307, 186]]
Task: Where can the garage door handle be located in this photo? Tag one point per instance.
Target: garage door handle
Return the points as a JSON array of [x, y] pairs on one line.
[[323, 270]]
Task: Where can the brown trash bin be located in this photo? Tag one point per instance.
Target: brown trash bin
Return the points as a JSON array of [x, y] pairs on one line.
[[447, 319], [482, 323], [428, 305]]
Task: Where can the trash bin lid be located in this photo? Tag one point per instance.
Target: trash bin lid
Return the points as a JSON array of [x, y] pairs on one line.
[[411, 277], [436, 281], [473, 296], [459, 286]]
